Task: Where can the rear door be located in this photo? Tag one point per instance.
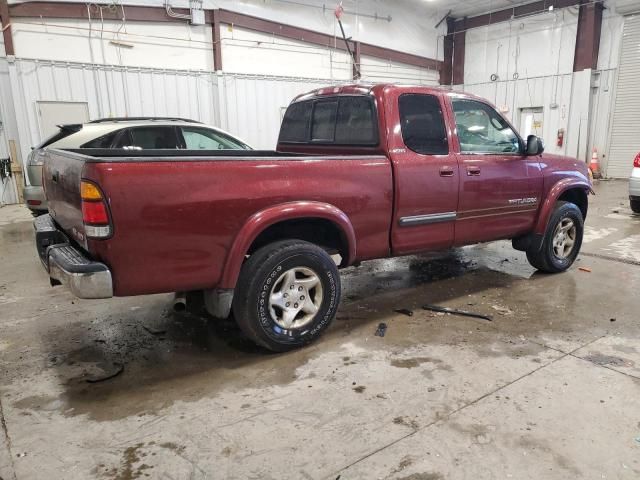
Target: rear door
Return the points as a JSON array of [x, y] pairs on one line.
[[500, 187], [425, 171]]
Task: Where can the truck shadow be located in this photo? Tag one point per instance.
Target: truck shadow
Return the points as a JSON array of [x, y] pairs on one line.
[[137, 360]]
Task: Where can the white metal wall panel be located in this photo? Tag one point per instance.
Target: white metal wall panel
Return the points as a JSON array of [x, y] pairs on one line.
[[248, 106], [375, 70], [110, 92], [624, 142]]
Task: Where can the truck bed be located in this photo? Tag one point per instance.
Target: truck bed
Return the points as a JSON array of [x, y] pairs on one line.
[[176, 214]]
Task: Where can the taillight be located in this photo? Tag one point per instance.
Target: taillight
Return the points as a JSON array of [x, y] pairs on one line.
[[94, 211], [636, 161]]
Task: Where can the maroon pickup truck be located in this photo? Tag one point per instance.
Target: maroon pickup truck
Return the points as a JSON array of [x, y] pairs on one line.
[[360, 172]]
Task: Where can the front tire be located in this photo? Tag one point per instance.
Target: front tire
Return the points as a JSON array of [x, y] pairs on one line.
[[635, 206], [561, 241], [287, 295]]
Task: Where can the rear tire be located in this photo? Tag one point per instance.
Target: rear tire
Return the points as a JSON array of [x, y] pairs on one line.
[[561, 241], [635, 206], [287, 295]]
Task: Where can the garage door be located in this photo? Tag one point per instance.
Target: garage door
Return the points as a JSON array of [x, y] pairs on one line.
[[624, 143]]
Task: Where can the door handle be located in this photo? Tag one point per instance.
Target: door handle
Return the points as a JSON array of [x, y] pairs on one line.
[[473, 171], [446, 171]]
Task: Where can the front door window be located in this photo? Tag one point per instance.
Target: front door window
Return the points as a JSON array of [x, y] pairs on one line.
[[482, 130]]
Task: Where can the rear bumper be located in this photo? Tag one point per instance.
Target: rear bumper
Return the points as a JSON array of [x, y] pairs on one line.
[[34, 198], [68, 265]]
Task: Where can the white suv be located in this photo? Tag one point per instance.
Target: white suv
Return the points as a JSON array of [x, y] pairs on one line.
[[634, 185], [138, 133]]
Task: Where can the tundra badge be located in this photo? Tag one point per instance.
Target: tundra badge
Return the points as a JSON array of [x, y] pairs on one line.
[[523, 201]]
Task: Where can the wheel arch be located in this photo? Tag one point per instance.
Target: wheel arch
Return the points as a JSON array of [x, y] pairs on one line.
[[305, 220], [568, 190]]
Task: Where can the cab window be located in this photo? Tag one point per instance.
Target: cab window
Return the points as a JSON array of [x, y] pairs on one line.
[[340, 120], [482, 130], [422, 124]]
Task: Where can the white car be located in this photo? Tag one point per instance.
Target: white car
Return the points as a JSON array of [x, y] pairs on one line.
[[129, 133], [634, 185]]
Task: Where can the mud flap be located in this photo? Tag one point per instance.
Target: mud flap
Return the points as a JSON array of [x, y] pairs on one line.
[[531, 241]]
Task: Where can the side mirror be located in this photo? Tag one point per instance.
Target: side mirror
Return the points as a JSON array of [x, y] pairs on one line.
[[535, 145]]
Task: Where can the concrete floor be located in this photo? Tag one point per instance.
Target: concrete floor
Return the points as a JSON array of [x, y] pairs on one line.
[[549, 390]]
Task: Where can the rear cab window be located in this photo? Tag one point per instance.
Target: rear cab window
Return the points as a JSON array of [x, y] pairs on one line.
[[339, 120]]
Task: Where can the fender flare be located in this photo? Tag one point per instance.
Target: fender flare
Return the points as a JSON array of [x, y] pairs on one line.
[[552, 197], [263, 219]]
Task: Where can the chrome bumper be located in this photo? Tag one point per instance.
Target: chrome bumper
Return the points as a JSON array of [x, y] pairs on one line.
[[68, 265]]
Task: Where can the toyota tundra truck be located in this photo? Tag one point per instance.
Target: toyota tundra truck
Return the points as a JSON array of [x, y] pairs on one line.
[[359, 173]]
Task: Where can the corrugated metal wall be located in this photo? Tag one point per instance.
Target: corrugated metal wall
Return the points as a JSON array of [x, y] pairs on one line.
[[245, 105]]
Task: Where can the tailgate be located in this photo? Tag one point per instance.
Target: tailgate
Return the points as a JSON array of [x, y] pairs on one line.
[[62, 172]]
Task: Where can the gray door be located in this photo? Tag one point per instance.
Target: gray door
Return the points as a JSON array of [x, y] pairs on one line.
[[624, 140], [51, 114], [531, 121]]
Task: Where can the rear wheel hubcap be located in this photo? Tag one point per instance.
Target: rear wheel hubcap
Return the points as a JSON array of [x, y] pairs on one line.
[[295, 298]]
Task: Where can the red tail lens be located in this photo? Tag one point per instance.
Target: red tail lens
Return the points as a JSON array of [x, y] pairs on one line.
[[94, 213], [636, 161]]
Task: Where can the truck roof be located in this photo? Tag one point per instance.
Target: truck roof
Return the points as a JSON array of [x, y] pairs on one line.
[[367, 89]]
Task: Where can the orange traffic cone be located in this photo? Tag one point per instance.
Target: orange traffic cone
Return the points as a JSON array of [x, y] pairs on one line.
[[594, 166]]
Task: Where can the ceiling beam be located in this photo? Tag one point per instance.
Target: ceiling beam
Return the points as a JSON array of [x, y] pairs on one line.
[[322, 39], [507, 14], [81, 11]]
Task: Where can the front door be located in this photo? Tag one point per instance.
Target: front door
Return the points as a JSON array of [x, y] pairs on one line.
[[500, 187], [426, 174]]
